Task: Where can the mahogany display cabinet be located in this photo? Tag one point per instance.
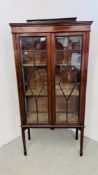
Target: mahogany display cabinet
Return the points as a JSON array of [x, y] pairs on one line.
[[51, 57]]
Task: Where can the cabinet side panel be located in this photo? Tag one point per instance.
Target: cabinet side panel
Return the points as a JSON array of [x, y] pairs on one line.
[[84, 76], [19, 79]]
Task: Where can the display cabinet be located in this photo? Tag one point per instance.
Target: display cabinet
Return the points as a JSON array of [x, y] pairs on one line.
[[51, 57]]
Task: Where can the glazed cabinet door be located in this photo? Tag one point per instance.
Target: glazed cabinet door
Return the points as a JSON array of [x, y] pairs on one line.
[[66, 75], [34, 60]]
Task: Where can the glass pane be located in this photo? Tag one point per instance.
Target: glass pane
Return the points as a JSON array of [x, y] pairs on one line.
[[35, 81], [33, 43], [75, 59], [61, 57], [33, 50], [68, 43], [42, 105], [75, 42], [67, 82], [61, 43], [71, 116], [34, 69]]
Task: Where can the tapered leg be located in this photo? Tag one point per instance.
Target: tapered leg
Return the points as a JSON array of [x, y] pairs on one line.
[[24, 141], [52, 128], [29, 135], [81, 141], [76, 134]]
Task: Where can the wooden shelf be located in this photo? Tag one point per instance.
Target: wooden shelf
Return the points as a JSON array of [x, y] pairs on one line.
[[32, 65], [45, 65], [33, 50], [66, 90], [68, 50], [58, 92], [36, 92], [60, 117], [42, 117]]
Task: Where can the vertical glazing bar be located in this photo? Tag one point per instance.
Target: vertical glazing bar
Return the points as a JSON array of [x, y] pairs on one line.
[[49, 88], [66, 111], [53, 78], [37, 108]]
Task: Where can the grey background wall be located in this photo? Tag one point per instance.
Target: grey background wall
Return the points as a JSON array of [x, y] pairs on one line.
[[19, 11]]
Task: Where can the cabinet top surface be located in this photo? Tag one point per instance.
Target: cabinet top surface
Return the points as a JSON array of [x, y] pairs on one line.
[[57, 21]]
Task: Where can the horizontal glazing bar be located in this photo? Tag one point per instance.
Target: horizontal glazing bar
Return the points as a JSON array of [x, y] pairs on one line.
[[67, 50], [32, 50], [32, 65]]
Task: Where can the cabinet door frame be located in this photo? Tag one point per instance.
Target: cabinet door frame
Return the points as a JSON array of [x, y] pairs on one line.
[[16, 42], [84, 63]]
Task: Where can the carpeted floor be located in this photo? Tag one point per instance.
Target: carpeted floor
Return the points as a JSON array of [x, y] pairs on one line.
[[49, 153]]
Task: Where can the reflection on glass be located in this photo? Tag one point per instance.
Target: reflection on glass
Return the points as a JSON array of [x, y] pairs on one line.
[[75, 42], [34, 62], [33, 50], [67, 78], [75, 60], [61, 43], [31, 43], [70, 42]]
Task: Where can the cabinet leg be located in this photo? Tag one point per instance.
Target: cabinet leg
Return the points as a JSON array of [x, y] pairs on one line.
[[24, 141], [29, 135], [81, 141], [52, 128], [76, 134]]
